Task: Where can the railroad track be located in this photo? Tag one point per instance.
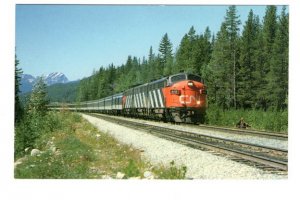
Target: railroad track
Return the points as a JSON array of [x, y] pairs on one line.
[[273, 135], [266, 158]]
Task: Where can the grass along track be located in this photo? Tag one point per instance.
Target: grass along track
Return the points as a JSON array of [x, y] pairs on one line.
[[75, 149], [267, 158]]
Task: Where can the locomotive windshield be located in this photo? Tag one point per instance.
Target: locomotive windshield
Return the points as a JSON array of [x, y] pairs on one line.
[[181, 77], [178, 77], [194, 78]]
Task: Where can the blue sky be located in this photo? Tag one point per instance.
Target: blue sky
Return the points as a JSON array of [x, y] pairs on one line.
[[75, 39]]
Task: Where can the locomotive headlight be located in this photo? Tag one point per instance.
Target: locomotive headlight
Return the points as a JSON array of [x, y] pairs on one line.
[[190, 84]]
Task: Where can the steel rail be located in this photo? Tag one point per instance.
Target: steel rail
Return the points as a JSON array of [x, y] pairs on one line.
[[244, 155], [276, 135]]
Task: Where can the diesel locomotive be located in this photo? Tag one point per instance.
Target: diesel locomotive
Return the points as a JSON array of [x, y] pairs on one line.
[[176, 98]]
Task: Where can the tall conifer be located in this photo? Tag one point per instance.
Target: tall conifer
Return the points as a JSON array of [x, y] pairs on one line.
[[232, 26], [267, 41], [165, 49], [249, 45], [217, 74], [38, 101], [18, 107], [278, 76]]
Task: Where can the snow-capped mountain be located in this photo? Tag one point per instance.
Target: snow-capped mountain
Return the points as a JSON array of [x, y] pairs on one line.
[[27, 80], [55, 77]]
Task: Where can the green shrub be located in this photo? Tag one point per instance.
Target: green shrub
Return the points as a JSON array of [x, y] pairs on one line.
[[34, 128], [26, 134], [171, 172], [72, 162], [49, 166], [43, 166], [132, 169], [258, 119]]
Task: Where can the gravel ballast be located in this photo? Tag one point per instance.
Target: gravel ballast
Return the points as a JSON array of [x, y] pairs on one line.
[[200, 164], [259, 140]]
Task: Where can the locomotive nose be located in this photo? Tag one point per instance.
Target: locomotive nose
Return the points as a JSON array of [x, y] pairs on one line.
[[196, 86]]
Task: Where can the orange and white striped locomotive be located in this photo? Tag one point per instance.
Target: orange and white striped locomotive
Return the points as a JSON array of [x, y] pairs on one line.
[[176, 98]]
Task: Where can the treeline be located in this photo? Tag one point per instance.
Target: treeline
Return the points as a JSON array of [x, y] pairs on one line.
[[242, 69], [63, 92], [60, 92]]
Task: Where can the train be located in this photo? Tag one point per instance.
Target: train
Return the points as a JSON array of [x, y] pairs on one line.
[[180, 98]]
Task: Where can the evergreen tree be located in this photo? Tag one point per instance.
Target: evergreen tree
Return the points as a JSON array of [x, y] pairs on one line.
[[83, 90], [29, 130], [165, 56], [278, 76], [267, 41], [151, 55], [165, 48], [93, 90], [232, 26], [213, 39], [193, 44], [202, 51], [135, 71], [247, 73], [183, 54], [110, 79], [121, 78], [224, 61], [218, 73], [18, 107], [38, 99], [145, 73], [269, 32], [194, 51], [100, 82], [130, 75], [151, 67]]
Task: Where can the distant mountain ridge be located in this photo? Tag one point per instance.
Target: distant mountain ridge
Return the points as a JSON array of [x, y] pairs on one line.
[[61, 92], [28, 81]]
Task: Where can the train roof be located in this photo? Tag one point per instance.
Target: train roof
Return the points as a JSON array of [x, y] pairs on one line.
[[159, 80]]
